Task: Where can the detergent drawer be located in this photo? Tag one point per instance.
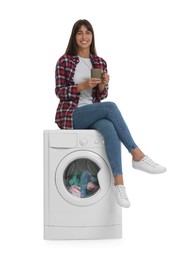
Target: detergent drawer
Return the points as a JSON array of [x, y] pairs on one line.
[[63, 140]]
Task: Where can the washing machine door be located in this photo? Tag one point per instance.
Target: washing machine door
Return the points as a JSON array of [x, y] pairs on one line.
[[82, 178]]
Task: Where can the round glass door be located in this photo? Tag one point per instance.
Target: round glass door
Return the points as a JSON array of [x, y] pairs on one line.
[[82, 178]]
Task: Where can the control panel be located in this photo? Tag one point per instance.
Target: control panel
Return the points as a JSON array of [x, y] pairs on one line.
[[93, 139]]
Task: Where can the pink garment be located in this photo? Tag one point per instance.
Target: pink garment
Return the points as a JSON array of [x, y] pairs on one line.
[[75, 190]]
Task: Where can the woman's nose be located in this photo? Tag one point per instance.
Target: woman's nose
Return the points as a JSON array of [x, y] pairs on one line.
[[83, 36]]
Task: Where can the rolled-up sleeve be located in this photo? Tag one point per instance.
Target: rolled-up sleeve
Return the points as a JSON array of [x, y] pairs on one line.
[[100, 96]]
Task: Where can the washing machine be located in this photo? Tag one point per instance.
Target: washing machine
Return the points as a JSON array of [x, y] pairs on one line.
[[78, 197]]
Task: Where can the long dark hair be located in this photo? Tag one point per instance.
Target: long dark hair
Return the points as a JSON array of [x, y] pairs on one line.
[[72, 46]]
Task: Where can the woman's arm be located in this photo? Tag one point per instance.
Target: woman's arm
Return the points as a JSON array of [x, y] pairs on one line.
[[64, 88]]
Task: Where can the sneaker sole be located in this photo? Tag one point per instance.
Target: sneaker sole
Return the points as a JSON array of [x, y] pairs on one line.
[[144, 170]]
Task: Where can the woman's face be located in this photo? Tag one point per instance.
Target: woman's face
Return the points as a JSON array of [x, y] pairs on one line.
[[83, 38]]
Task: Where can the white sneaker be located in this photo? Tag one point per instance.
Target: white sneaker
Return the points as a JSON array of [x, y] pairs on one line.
[[147, 165], [121, 196]]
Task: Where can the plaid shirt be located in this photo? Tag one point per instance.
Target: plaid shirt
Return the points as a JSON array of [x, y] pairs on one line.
[[66, 89]]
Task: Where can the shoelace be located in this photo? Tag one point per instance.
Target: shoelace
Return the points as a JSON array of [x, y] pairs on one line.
[[122, 192], [148, 161]]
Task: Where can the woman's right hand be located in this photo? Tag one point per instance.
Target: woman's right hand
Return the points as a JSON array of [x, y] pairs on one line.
[[90, 83]]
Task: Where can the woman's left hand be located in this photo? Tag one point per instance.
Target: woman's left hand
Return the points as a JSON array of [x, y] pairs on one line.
[[105, 78], [104, 81]]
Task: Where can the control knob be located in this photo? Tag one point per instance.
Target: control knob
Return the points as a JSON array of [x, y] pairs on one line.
[[83, 141]]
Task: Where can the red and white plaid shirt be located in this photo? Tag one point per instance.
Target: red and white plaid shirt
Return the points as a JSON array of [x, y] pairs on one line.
[[66, 89]]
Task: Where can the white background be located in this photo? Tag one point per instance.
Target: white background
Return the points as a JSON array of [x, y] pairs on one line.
[[136, 40]]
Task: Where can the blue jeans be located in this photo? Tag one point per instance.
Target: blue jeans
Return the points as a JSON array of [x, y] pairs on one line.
[[107, 119], [85, 178]]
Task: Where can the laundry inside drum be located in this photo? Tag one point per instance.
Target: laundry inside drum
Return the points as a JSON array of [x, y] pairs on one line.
[[81, 178]]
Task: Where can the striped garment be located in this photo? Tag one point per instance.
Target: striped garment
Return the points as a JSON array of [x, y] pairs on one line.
[[66, 89]]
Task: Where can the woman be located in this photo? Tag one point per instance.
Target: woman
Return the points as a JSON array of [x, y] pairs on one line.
[[80, 105]]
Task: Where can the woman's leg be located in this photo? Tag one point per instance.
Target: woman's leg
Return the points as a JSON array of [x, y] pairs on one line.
[[82, 120], [113, 151], [86, 116], [112, 147]]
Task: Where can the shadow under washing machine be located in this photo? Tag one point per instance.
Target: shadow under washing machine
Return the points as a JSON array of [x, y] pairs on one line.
[[78, 198]]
